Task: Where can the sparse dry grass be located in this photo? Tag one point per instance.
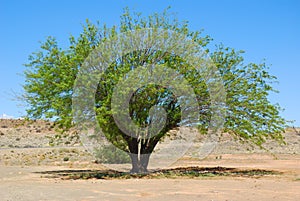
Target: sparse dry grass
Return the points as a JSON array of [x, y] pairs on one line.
[[175, 173]]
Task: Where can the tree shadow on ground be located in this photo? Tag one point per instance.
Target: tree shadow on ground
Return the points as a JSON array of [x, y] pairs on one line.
[[181, 172]]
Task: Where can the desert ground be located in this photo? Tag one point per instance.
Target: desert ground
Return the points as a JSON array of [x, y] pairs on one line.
[[36, 163]]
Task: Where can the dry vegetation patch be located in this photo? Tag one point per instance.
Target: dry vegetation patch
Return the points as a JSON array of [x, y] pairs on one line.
[[180, 172]]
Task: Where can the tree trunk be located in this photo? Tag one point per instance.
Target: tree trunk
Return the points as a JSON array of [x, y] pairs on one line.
[[144, 161], [135, 163], [139, 163], [133, 145], [140, 158]]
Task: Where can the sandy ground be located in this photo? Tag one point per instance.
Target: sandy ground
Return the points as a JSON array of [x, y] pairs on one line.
[[28, 151], [27, 183]]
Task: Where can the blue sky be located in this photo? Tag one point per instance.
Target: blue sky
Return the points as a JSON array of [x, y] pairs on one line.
[[264, 29]]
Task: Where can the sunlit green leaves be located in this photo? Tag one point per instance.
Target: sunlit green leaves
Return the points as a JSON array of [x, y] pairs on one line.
[[51, 73]]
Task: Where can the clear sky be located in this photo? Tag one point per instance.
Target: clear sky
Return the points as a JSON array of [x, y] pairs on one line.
[[264, 29]]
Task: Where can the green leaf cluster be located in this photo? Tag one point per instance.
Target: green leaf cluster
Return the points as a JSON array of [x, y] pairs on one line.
[[51, 73]]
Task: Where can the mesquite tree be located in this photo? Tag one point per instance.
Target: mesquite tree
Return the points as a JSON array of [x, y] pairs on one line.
[[51, 73]]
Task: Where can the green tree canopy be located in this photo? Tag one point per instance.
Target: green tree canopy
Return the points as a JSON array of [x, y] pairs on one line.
[[51, 73]]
